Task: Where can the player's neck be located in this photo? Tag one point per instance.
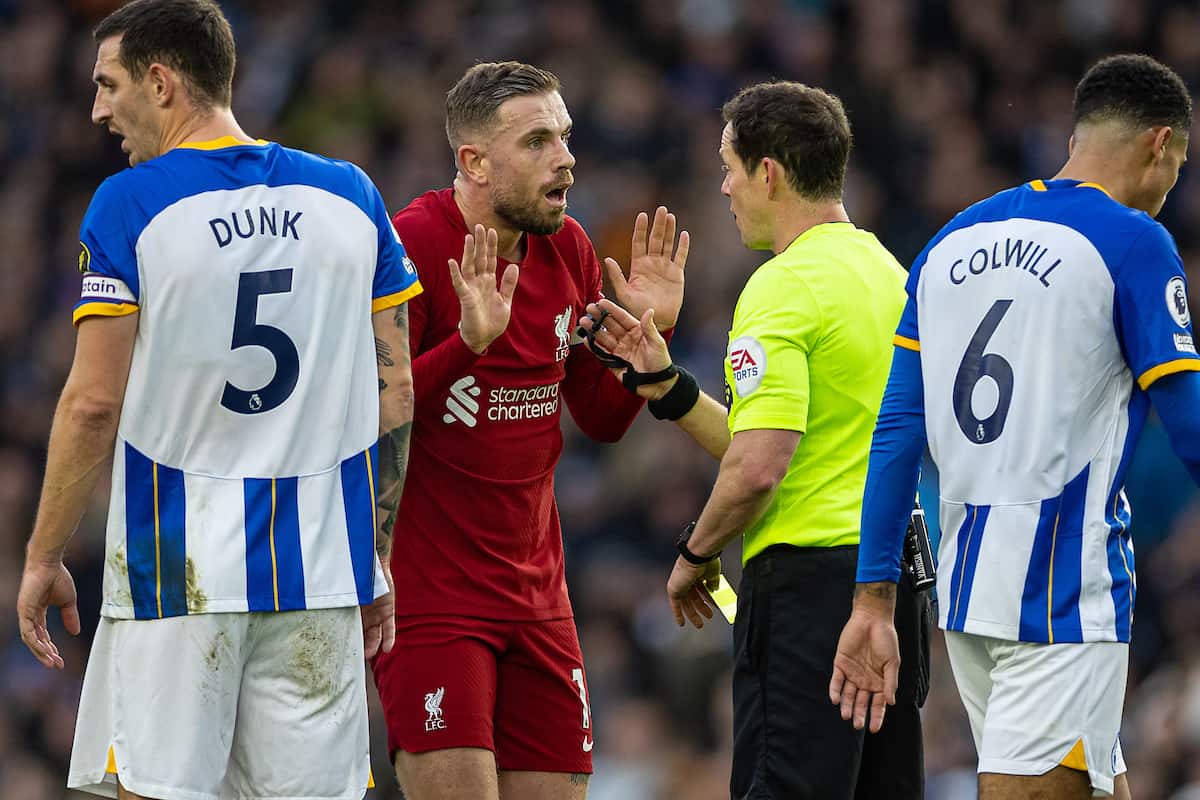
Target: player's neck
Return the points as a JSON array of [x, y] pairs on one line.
[[1110, 169], [794, 218], [208, 126], [477, 209]]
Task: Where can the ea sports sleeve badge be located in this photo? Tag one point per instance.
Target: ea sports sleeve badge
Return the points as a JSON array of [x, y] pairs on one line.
[[747, 364]]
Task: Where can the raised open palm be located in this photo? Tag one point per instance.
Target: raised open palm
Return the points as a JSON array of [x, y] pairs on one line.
[[485, 304], [655, 275]]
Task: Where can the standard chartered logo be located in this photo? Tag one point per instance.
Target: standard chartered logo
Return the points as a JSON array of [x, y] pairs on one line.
[[461, 403], [504, 403]]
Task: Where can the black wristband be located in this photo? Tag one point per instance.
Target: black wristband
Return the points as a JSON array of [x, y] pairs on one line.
[[631, 379], [681, 544], [680, 400]]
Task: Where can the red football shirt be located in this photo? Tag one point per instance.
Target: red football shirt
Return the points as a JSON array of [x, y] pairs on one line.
[[478, 532]]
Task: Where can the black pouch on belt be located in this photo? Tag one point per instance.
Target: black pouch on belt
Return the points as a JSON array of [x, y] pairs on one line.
[[918, 552]]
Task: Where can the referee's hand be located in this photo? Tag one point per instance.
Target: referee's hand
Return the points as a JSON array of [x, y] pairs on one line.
[[688, 591], [866, 668]]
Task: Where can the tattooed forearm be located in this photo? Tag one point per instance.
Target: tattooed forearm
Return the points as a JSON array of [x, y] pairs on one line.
[[383, 353], [395, 417], [393, 464], [882, 589]]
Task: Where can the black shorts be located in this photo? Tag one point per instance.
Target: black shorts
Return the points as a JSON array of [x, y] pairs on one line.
[[790, 742]]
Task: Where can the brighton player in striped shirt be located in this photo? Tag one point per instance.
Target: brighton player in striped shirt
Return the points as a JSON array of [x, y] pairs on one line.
[[242, 344], [1041, 325]]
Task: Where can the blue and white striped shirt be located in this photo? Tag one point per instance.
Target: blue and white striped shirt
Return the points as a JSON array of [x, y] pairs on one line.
[[1041, 316], [244, 471]]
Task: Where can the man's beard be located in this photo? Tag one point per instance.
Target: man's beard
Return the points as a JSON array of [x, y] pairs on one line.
[[525, 216]]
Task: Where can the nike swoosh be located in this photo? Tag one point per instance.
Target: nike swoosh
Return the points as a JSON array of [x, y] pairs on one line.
[[587, 744]]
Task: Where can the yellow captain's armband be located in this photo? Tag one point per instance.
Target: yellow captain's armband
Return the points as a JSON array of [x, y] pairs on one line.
[[103, 296]]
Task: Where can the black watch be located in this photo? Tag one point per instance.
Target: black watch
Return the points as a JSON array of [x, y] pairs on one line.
[[688, 555]]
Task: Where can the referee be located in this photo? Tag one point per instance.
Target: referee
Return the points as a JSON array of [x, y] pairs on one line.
[[809, 354]]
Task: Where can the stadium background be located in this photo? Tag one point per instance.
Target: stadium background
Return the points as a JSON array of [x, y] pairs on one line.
[[950, 101]]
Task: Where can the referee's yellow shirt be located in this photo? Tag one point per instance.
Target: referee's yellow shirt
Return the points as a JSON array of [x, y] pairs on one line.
[[810, 351]]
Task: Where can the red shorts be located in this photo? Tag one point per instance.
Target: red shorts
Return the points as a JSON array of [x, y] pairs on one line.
[[515, 688]]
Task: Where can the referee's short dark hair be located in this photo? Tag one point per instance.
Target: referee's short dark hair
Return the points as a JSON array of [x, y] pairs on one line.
[[473, 104], [192, 37], [1135, 89], [803, 128]]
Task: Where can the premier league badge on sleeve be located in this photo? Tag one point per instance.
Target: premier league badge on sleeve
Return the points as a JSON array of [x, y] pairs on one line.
[[1177, 301], [85, 257]]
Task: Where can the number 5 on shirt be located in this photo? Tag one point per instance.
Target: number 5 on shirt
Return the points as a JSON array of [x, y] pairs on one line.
[[247, 331]]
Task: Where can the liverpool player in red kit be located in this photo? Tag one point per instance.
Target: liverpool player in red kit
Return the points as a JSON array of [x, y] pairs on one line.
[[484, 692]]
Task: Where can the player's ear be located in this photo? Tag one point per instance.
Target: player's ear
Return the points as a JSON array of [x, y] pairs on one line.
[[472, 163], [1162, 140], [161, 81]]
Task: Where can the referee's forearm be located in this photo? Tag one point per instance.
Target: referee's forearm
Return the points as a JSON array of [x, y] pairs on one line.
[[736, 503]]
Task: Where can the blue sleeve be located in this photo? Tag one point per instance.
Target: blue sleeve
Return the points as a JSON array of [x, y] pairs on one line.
[[395, 276], [1150, 309], [908, 334], [1176, 398], [892, 472], [107, 235], [107, 253]]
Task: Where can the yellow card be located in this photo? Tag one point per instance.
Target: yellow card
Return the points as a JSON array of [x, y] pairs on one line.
[[725, 598]]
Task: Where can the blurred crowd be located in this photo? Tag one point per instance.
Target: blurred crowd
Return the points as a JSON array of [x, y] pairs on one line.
[[950, 100]]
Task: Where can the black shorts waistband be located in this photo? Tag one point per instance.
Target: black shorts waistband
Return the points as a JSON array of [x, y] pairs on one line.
[[778, 556]]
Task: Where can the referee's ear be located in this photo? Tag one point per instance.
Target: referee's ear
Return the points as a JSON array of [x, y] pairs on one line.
[[776, 177]]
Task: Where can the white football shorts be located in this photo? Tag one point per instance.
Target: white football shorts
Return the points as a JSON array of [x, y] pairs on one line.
[[222, 706], [1034, 707]]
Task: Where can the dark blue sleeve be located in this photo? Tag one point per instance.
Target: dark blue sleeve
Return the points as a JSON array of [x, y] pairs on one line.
[[1151, 313], [892, 473], [1176, 397]]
